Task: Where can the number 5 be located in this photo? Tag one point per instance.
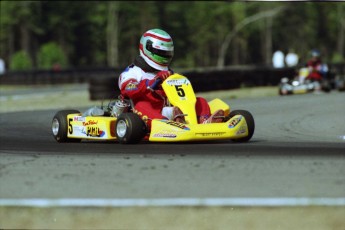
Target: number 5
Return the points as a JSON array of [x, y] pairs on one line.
[[70, 127], [180, 91]]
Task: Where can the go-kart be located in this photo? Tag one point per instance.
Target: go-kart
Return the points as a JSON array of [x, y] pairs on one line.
[[118, 121], [301, 85], [287, 87]]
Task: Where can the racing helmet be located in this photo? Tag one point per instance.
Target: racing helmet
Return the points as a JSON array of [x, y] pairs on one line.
[[156, 48], [315, 53]]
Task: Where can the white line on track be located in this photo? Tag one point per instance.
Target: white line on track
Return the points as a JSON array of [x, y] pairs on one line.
[[168, 202]]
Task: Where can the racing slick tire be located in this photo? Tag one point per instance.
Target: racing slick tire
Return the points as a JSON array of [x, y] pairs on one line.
[[250, 123], [130, 128], [60, 126]]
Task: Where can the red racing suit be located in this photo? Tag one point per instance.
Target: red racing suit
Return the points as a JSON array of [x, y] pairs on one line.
[[133, 83], [314, 67]]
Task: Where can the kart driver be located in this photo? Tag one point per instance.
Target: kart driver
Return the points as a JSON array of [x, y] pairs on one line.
[[316, 67], [156, 50]]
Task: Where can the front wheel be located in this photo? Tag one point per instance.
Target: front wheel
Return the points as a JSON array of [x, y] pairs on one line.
[[250, 123], [60, 126], [130, 128]]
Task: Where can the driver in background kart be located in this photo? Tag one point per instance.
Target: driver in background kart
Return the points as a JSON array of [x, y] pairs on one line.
[[156, 50], [315, 66]]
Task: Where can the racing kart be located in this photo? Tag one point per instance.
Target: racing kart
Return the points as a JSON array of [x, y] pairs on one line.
[[118, 121], [300, 85]]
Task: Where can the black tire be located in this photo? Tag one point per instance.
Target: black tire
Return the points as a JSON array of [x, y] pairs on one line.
[[250, 123], [103, 88], [130, 128], [60, 126]]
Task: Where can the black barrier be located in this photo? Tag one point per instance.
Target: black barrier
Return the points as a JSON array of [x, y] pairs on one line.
[[207, 79], [51, 77], [103, 81], [236, 77]]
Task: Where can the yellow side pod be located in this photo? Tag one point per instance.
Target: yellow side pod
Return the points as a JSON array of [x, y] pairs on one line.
[[170, 131], [216, 104]]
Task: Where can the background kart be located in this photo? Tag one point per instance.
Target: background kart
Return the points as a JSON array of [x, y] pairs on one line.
[[299, 85], [118, 121]]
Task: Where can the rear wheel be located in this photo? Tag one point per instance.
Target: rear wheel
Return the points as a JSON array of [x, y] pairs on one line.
[[60, 126], [130, 128], [250, 123]]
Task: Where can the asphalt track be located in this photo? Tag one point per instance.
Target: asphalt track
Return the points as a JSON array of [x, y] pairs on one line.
[[298, 150]]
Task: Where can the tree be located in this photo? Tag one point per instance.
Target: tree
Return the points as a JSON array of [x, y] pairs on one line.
[[112, 34], [17, 21], [341, 33], [50, 55], [21, 61], [238, 27], [93, 33]]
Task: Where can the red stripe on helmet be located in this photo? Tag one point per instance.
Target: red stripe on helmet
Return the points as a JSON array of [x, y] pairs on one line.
[[157, 37]]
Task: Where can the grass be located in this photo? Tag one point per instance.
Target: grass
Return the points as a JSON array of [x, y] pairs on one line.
[[198, 218]]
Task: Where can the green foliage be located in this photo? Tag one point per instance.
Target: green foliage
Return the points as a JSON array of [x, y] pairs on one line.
[[198, 28], [337, 58], [51, 54], [20, 61]]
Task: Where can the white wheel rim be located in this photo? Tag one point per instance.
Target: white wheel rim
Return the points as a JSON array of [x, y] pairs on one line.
[[121, 128], [55, 126]]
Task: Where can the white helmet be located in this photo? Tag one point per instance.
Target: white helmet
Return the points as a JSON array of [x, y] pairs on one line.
[[156, 48]]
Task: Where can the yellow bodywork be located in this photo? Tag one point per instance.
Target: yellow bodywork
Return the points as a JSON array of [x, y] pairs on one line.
[[91, 127], [170, 131], [216, 104], [180, 93]]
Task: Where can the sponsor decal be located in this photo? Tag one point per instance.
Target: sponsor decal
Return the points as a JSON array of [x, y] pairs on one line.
[[78, 129], [163, 134], [242, 130], [176, 124], [90, 122], [235, 122], [216, 134], [178, 82], [79, 118], [131, 86], [93, 131]]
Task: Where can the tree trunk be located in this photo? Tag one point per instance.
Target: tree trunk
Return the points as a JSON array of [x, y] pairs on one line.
[[235, 51], [268, 41], [24, 31], [112, 35], [25, 37], [11, 48], [341, 34]]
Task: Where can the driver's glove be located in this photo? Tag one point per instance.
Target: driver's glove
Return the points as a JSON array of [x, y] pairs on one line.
[[158, 79], [162, 75]]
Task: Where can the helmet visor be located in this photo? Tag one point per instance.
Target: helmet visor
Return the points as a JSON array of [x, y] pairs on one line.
[[161, 53]]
